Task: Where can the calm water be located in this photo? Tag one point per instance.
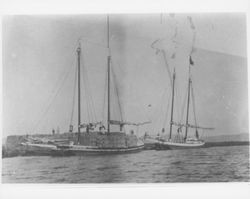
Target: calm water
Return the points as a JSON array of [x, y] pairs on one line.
[[217, 164]]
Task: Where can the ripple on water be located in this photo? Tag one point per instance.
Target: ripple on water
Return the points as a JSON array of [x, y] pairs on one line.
[[215, 164]]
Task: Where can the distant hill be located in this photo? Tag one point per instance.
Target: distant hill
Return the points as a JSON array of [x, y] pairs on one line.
[[228, 138]]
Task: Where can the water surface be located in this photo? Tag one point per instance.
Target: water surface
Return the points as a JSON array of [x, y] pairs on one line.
[[216, 164]]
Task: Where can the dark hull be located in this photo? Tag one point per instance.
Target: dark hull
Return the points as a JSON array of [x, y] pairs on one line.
[[96, 151]]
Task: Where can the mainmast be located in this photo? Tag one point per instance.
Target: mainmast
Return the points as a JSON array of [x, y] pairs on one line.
[[79, 92], [188, 101], [172, 107], [109, 59]]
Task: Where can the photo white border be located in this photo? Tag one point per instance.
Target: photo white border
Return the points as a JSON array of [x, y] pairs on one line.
[[122, 191]]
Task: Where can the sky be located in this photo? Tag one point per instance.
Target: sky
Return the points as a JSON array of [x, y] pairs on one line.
[[39, 52]]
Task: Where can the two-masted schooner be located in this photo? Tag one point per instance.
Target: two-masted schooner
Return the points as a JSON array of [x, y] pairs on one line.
[[103, 140], [180, 141], [92, 137]]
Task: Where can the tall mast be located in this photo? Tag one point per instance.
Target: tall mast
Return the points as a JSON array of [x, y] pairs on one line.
[[189, 84], [172, 107], [108, 31], [79, 92], [109, 58]]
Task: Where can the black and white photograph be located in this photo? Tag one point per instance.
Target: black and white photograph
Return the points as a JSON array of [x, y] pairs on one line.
[[125, 98]]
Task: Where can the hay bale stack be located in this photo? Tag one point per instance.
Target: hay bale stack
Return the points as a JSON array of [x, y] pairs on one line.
[[108, 140]]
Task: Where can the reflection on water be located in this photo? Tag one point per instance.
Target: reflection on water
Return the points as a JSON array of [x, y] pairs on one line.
[[217, 164]]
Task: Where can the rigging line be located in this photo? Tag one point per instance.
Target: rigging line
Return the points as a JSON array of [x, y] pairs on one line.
[[116, 90], [193, 100], [178, 100], [86, 97], [74, 94], [84, 93], [91, 113], [92, 107], [183, 106], [55, 88], [84, 85], [120, 67], [104, 97], [118, 63], [91, 102], [112, 98], [119, 113], [58, 91], [166, 116]]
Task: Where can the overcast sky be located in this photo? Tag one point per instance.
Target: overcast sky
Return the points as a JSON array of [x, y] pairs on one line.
[[39, 50]]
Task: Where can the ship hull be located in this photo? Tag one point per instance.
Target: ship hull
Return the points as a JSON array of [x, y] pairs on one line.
[[38, 149], [88, 150], [176, 145], [67, 150]]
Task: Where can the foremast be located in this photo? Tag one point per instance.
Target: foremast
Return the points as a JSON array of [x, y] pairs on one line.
[[79, 92], [172, 107], [188, 99], [108, 65]]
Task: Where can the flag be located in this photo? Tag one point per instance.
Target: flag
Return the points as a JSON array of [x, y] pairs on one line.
[[191, 62]]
